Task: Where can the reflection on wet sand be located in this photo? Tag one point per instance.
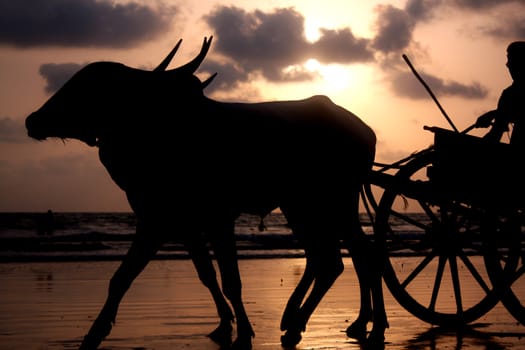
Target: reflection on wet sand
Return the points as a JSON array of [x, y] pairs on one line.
[[50, 305], [475, 336]]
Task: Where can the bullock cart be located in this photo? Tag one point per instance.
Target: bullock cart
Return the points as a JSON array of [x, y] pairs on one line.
[[449, 217]]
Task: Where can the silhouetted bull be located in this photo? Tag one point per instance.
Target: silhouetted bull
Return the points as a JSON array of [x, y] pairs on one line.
[[190, 166]]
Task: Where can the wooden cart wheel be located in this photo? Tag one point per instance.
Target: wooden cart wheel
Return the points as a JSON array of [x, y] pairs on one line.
[[434, 273], [504, 259]]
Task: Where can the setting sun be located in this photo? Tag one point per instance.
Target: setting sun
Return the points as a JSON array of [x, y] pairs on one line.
[[336, 76], [311, 29]]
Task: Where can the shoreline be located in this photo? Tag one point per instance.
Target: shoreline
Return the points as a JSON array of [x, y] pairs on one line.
[[261, 254], [108, 258]]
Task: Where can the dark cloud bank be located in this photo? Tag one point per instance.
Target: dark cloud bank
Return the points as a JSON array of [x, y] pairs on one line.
[[268, 42], [80, 23]]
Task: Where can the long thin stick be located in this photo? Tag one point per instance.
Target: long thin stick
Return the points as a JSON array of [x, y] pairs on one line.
[[430, 92]]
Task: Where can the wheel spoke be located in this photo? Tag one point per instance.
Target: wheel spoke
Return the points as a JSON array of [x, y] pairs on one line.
[[455, 282], [418, 269], [437, 282], [474, 272]]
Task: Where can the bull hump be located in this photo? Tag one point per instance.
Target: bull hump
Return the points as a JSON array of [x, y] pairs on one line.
[[323, 115]]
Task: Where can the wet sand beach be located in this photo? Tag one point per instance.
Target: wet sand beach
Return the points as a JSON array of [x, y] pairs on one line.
[[50, 305]]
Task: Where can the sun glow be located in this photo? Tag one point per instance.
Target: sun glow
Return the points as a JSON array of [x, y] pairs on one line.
[[311, 29], [312, 65], [335, 76]]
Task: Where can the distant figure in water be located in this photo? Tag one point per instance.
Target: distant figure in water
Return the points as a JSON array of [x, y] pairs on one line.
[[511, 104], [46, 224]]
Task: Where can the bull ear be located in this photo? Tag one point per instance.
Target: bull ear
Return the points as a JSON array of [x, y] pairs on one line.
[[207, 82], [165, 63], [191, 67]]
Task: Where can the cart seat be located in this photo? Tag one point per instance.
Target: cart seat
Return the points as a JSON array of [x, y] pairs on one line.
[[476, 171]]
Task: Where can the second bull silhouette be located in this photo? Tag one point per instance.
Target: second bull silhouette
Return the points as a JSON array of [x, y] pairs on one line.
[[190, 166]]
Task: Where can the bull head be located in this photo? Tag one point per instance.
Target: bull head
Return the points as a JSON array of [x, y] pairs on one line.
[[103, 96]]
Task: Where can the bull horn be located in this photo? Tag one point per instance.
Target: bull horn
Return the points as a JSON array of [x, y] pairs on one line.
[[192, 66], [165, 63], [207, 82]]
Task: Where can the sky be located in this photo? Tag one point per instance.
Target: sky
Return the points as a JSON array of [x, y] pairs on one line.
[[350, 51]]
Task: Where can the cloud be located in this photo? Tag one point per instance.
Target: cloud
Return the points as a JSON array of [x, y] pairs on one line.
[[513, 27], [406, 85], [476, 5], [259, 36], [394, 29], [395, 26], [12, 131], [422, 10], [394, 33], [507, 17], [258, 41], [230, 76], [341, 46], [81, 23], [56, 74], [274, 43]]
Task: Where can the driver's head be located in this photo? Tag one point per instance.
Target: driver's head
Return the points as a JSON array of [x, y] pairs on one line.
[[516, 60]]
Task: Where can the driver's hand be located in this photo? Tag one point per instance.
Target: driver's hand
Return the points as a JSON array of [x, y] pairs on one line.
[[485, 120]]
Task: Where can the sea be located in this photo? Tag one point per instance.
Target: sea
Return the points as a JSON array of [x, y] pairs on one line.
[[68, 236]]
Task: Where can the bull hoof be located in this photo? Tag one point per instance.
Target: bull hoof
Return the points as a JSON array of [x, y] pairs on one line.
[[90, 342], [376, 340], [99, 330], [222, 335], [242, 343], [291, 338], [357, 330]]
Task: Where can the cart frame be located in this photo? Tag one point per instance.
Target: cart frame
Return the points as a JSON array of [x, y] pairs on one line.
[[468, 218]]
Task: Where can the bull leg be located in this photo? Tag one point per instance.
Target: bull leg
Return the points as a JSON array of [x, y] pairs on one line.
[[296, 299], [368, 265], [326, 265], [225, 250], [138, 256], [377, 334], [202, 261], [357, 329]]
